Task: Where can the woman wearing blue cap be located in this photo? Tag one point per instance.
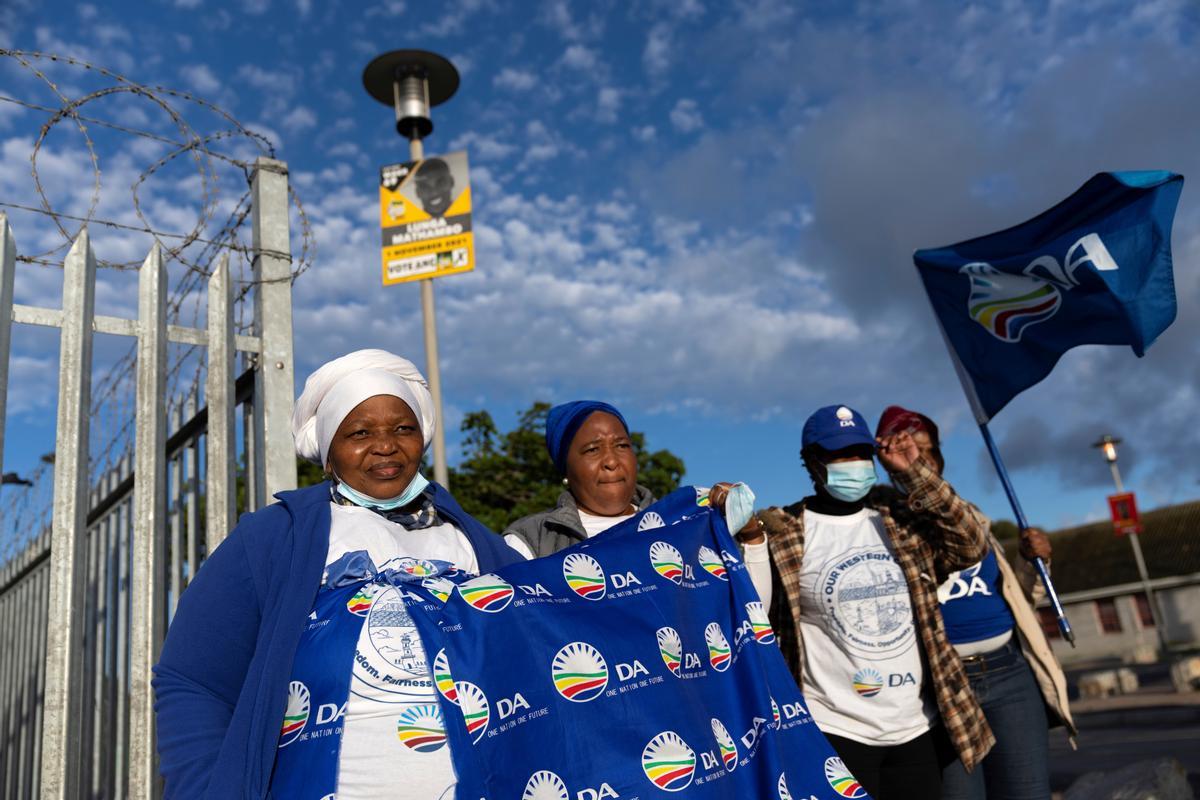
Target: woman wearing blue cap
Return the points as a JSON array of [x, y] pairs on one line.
[[589, 443], [857, 615]]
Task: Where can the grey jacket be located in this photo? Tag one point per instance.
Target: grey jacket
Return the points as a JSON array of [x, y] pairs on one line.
[[548, 532]]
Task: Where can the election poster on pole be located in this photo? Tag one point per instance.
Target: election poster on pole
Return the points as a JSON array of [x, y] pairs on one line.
[[425, 218]]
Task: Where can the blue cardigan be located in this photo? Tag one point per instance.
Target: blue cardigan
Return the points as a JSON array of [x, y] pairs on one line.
[[221, 683]]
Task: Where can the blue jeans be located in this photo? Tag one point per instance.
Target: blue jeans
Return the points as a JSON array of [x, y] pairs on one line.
[[1017, 768]]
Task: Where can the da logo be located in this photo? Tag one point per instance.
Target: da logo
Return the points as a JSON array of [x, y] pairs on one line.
[[712, 563], [649, 521], [418, 567], [667, 561], [441, 677], [841, 780], [580, 672], [475, 709], [784, 794], [670, 647], [545, 785], [1005, 304], [487, 593], [584, 575], [360, 603], [774, 714], [420, 728], [725, 744], [701, 497], [868, 682], [439, 588], [295, 716], [718, 647], [760, 623], [668, 762]]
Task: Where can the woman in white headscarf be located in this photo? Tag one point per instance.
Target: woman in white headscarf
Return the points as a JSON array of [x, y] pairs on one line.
[[299, 616]]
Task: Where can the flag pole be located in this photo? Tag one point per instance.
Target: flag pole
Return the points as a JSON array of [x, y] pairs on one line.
[[982, 418], [1038, 564]]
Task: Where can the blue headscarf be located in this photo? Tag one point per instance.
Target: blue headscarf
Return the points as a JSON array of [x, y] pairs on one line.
[[564, 421]]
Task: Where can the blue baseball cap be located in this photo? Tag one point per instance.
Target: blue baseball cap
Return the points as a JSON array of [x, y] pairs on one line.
[[835, 427]]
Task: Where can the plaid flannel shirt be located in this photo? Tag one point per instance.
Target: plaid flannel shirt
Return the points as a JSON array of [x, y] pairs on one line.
[[941, 533]]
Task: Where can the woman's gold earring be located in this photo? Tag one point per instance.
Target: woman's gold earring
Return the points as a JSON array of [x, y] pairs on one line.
[[565, 483]]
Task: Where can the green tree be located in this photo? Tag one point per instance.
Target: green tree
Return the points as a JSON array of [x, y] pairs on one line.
[[505, 476], [1005, 530]]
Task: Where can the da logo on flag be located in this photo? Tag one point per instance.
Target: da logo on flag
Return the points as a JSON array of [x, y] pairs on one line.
[[545, 785], [649, 521], [718, 647], [784, 794], [584, 575], [487, 593], [760, 623], [712, 563], [668, 762], [725, 744], [841, 780], [360, 603], [295, 716], [580, 672], [670, 647], [420, 728], [667, 561], [441, 677], [475, 709]]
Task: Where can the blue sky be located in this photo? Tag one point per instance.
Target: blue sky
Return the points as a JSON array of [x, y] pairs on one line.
[[702, 212]]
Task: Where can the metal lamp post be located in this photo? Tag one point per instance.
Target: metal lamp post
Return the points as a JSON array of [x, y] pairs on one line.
[[413, 82], [1108, 446]]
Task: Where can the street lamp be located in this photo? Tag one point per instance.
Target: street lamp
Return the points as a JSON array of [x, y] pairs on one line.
[[1108, 446], [413, 82]]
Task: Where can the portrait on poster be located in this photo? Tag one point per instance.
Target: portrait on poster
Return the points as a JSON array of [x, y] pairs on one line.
[[425, 218]]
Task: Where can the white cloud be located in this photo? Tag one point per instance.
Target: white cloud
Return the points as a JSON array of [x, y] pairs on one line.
[[685, 116], [304, 7], [608, 101], [656, 56], [300, 118], [200, 78], [188, 3], [645, 133], [579, 57], [516, 80], [256, 7]]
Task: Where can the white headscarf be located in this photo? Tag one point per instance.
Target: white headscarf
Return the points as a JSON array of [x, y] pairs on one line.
[[338, 386]]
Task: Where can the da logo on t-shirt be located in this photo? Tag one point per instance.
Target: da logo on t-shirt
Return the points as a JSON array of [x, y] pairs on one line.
[[421, 728], [487, 593], [667, 561], [760, 623], [868, 682], [545, 785], [580, 672], [668, 762], [670, 647], [718, 647], [584, 575]]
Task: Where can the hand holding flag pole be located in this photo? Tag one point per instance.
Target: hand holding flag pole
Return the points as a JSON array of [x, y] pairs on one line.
[[1094, 269]]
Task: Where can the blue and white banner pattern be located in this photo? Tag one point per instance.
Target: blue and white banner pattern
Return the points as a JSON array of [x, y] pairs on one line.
[[639, 664]]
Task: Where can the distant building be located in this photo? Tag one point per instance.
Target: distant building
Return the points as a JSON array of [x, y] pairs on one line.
[[1097, 582]]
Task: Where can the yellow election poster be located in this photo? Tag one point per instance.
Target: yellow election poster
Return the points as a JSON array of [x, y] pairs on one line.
[[425, 215]]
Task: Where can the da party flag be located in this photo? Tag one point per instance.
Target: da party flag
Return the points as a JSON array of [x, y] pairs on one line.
[[637, 665], [1095, 269]]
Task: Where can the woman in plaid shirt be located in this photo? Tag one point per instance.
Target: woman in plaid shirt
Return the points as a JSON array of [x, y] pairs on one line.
[[856, 609]]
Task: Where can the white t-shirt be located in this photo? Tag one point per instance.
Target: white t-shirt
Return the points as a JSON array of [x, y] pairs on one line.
[[392, 699], [863, 673]]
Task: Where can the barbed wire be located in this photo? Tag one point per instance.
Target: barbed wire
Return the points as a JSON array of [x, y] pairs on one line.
[[220, 230]]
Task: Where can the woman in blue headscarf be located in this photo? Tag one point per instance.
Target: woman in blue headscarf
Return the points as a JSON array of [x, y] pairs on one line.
[[589, 443]]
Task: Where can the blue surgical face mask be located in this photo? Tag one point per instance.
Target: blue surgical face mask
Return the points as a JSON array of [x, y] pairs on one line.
[[850, 481], [739, 507], [415, 487]]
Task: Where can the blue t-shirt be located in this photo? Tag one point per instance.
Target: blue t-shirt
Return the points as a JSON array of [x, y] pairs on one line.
[[973, 606]]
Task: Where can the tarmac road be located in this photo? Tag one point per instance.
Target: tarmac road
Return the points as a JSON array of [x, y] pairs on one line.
[[1112, 739]]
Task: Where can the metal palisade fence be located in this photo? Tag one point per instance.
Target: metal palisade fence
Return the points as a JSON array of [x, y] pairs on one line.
[[85, 604]]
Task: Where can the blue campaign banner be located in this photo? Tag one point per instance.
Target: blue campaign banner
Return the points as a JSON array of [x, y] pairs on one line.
[[1094, 269], [639, 664]]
